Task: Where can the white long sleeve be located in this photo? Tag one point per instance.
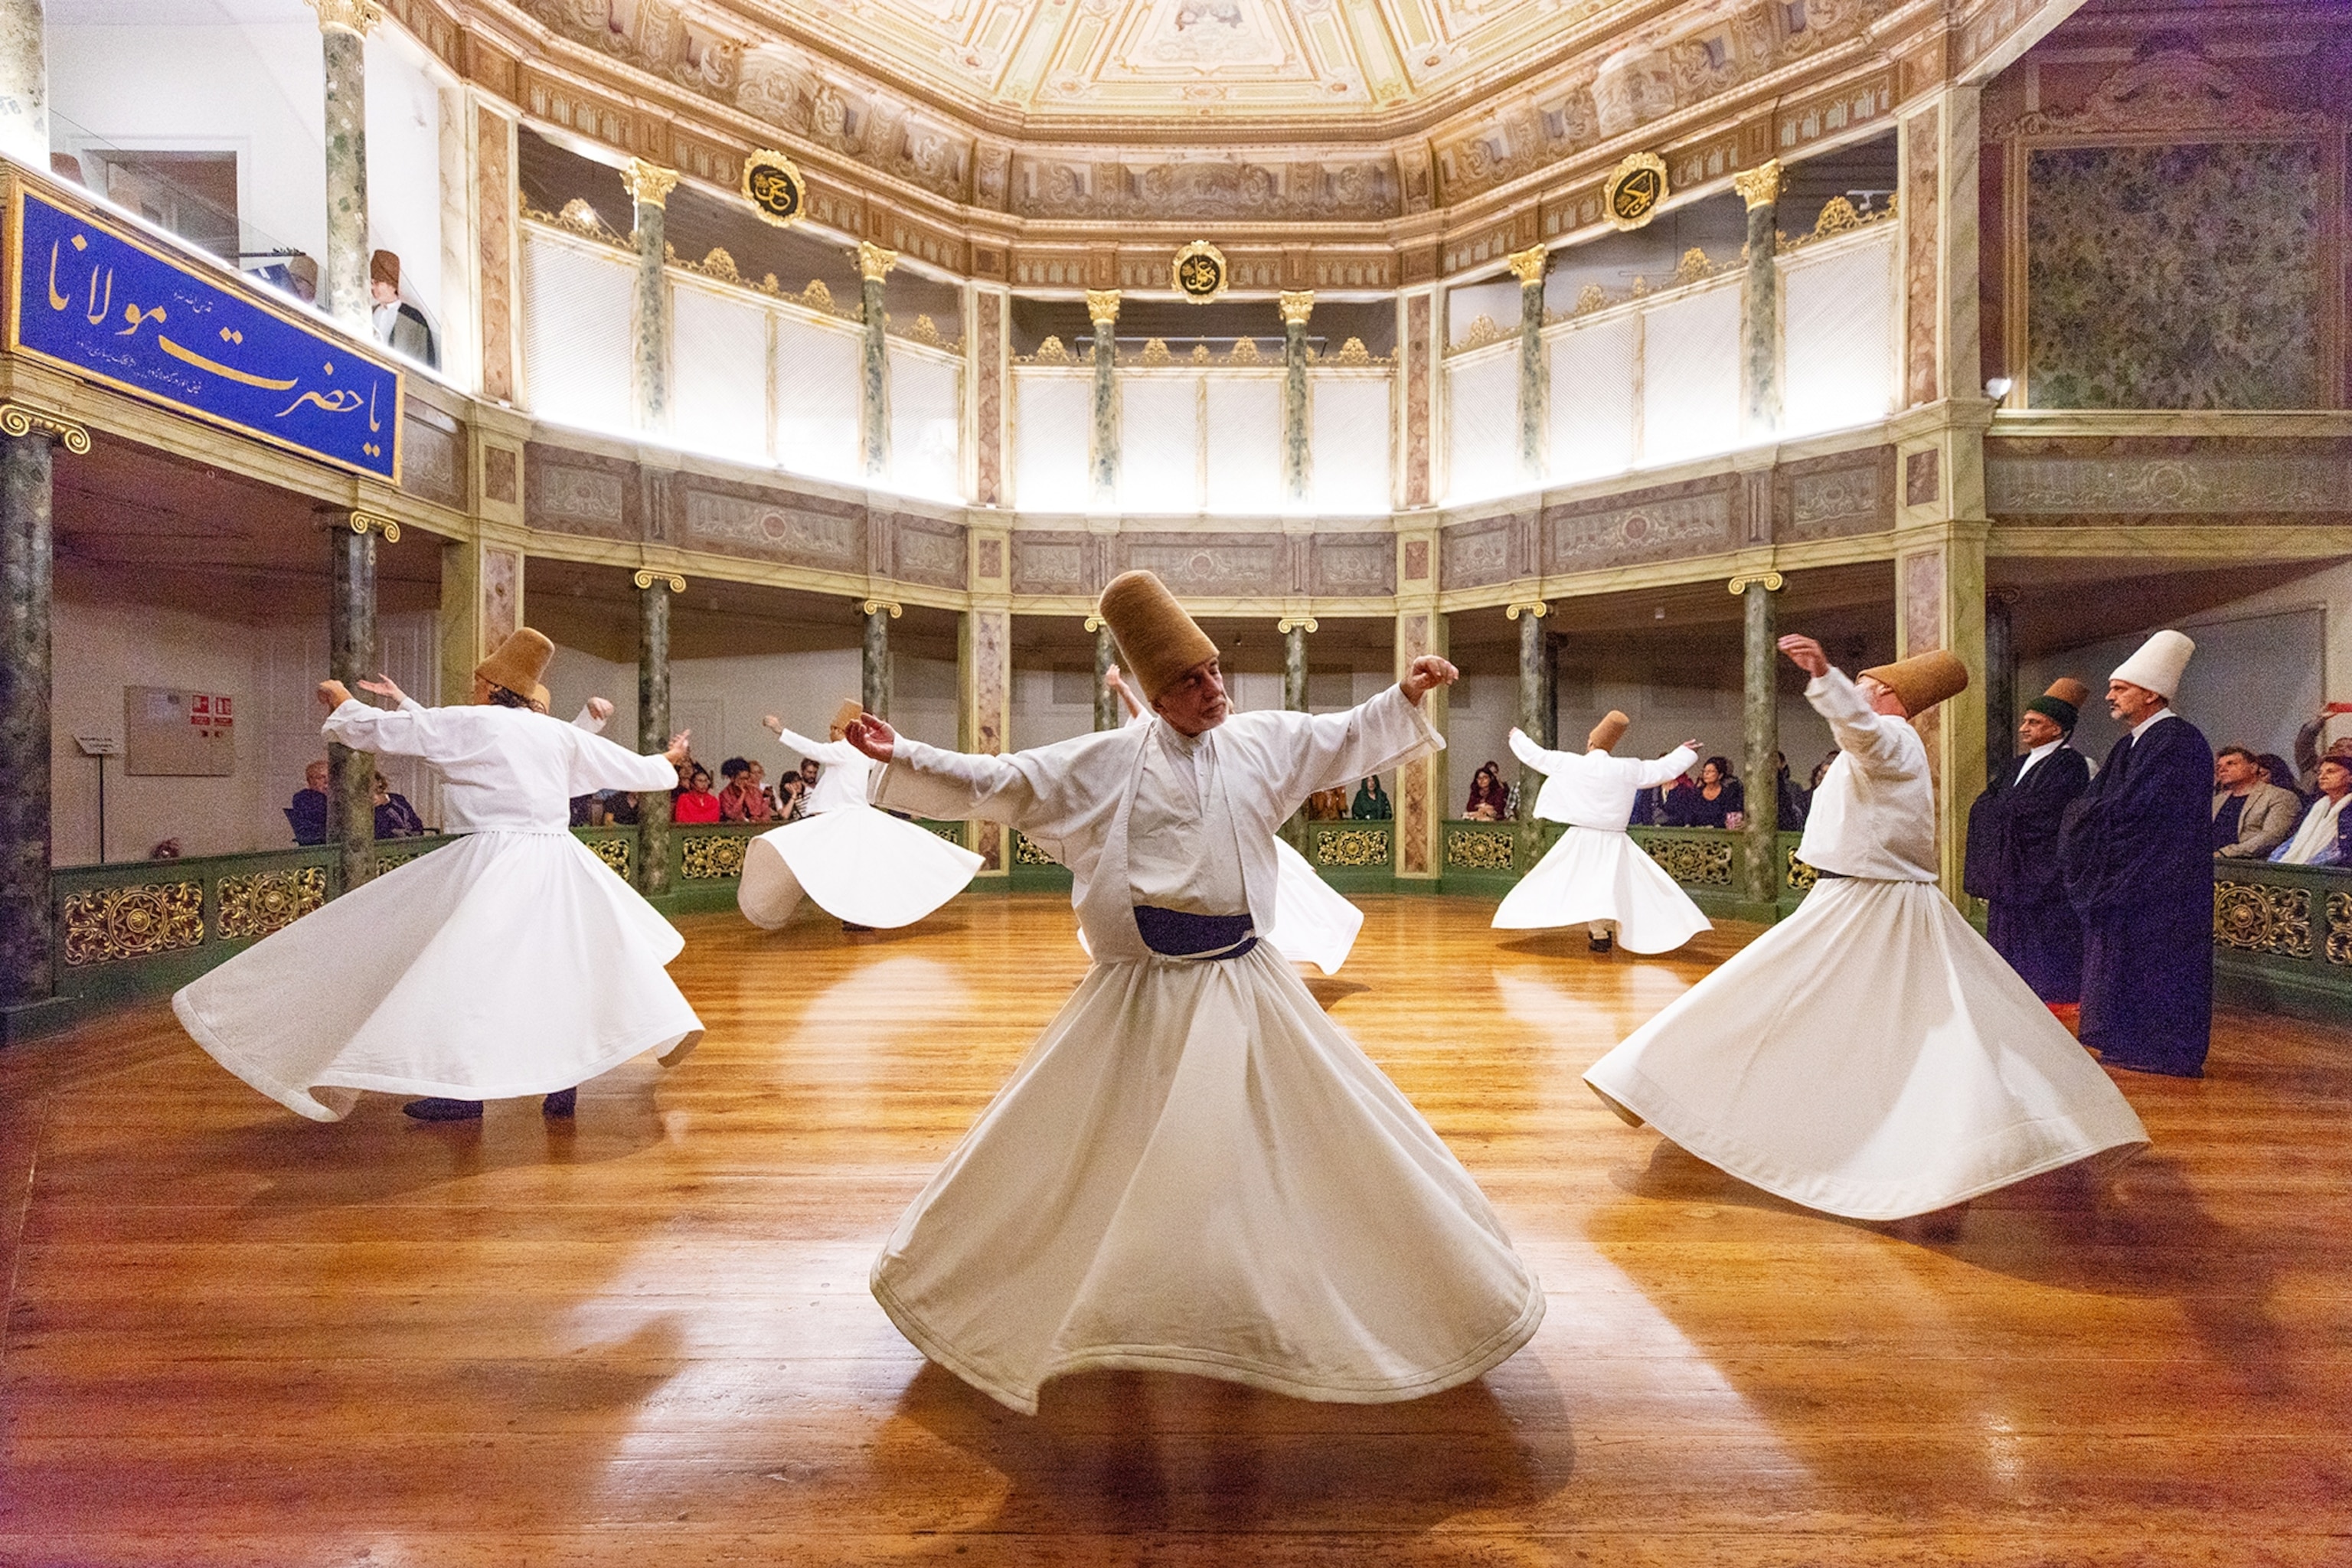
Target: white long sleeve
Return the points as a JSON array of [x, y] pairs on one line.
[[503, 768]]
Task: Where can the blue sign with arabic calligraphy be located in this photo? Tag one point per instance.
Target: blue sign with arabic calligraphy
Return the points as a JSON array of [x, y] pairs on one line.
[[122, 311]]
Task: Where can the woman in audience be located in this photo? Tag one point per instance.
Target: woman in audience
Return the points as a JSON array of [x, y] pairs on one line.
[[694, 803], [395, 817], [2320, 838], [1718, 797], [744, 799], [1489, 801], [2280, 772]]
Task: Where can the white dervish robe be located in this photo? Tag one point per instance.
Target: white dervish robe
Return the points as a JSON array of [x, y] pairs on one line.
[[1595, 872], [859, 865], [511, 962], [1871, 1056], [1194, 1170]]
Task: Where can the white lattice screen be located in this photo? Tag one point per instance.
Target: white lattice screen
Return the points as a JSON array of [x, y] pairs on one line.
[[817, 397], [1052, 412], [1690, 376], [1593, 378], [1347, 443], [576, 304], [1245, 437], [1159, 444], [718, 373], [1838, 322], [1482, 414], [925, 423]]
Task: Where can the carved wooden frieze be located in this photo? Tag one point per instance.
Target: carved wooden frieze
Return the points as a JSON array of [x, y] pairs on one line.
[[924, 550], [1353, 565], [1835, 497], [810, 531], [2139, 485], [1696, 518], [431, 460], [1238, 564], [1474, 554], [580, 493], [1050, 563]]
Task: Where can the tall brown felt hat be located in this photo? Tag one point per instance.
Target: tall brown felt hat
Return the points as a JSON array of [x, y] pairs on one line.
[[1160, 640], [1924, 680], [2062, 703], [383, 268], [518, 662], [848, 713], [1608, 733]]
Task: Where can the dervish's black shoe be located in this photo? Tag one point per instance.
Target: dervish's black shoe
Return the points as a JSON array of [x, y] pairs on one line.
[[438, 1109], [1604, 945], [850, 926], [561, 1103]]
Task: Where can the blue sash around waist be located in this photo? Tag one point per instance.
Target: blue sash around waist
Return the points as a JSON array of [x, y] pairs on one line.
[[1172, 934]]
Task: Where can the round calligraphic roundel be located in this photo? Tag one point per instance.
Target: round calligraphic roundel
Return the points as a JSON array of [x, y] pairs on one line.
[[1200, 272], [774, 188], [1635, 188]]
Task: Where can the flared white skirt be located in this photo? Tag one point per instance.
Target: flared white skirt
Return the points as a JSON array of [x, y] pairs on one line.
[[1590, 875], [1195, 1171], [505, 964], [1871, 1056], [1312, 923], [859, 864]]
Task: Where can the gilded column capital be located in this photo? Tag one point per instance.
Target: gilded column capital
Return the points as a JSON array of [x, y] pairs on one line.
[[1102, 307], [648, 183], [376, 522], [1759, 186], [1297, 306], [646, 577], [1772, 582], [1527, 266], [879, 606], [357, 17], [875, 261], [1535, 608], [1308, 623], [23, 419]]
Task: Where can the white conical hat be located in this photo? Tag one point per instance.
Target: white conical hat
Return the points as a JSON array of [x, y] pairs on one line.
[[2159, 663]]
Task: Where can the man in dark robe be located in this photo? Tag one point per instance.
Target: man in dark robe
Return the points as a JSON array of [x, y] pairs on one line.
[[2012, 860], [2138, 852]]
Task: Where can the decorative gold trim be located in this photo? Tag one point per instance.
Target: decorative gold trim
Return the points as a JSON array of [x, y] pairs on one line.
[[1199, 272], [1102, 307], [1283, 624], [1692, 268], [107, 925], [1354, 847], [1353, 351], [1536, 607], [1636, 189], [1773, 582], [1297, 307], [362, 521], [1759, 186], [875, 261], [1245, 352], [23, 419], [1470, 849], [1050, 352], [645, 577], [1482, 332], [266, 901], [357, 17], [868, 606], [712, 856], [771, 183], [1527, 266], [1096, 623], [1155, 352], [647, 183], [614, 853]]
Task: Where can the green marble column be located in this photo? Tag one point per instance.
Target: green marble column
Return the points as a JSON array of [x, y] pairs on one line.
[[1102, 441], [650, 186], [1110, 711], [1534, 379], [1550, 736], [1760, 304], [1294, 629], [1296, 309], [343, 26], [1530, 615], [654, 592], [1761, 873], [352, 658], [24, 83], [2001, 681], [873, 264], [28, 921], [873, 658]]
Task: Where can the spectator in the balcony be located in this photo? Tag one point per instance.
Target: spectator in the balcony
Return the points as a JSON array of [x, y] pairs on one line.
[[792, 791], [395, 817], [399, 325], [694, 803], [1794, 800], [308, 813], [2324, 837], [1489, 801], [1371, 802], [745, 798], [2251, 816], [1718, 797], [2280, 772], [2307, 752]]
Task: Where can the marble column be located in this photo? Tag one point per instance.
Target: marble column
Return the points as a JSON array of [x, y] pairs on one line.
[[24, 83], [1535, 381], [650, 186], [1939, 585], [1761, 873], [1530, 615], [1109, 712], [1420, 792], [2000, 680], [343, 27], [985, 669], [1294, 629], [1760, 304], [1102, 442], [1549, 737], [873, 658], [1296, 309], [352, 658], [654, 591], [873, 264], [28, 919], [1417, 349]]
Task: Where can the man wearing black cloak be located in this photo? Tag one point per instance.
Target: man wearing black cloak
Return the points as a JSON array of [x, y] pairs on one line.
[[2012, 859], [2138, 852]]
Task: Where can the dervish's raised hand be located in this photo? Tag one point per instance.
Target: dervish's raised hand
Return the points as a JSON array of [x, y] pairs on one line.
[[1806, 655], [600, 709], [335, 693], [676, 754], [1693, 747], [873, 737], [385, 686], [773, 724], [1425, 674]]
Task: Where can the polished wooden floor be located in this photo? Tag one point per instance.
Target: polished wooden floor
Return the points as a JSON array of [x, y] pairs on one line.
[[233, 1337]]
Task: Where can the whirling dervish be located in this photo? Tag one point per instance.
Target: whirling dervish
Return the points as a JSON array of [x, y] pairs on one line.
[[1312, 923], [1870, 1056], [511, 962], [1193, 1169], [1596, 876], [867, 868]]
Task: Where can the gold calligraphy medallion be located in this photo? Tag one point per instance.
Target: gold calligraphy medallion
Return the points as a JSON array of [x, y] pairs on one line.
[[774, 188], [1635, 188], [1200, 272]]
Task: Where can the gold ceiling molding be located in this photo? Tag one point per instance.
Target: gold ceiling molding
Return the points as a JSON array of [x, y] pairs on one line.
[[648, 183], [2172, 90], [1759, 186]]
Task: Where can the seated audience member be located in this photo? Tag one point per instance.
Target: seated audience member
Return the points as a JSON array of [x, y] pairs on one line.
[[2251, 816], [744, 799], [1718, 797], [307, 814], [1371, 802], [165, 849], [693, 802], [583, 810], [616, 808], [1327, 806], [1820, 771], [2280, 772], [1489, 801], [1793, 801], [2325, 835], [395, 817], [792, 791], [2307, 752]]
